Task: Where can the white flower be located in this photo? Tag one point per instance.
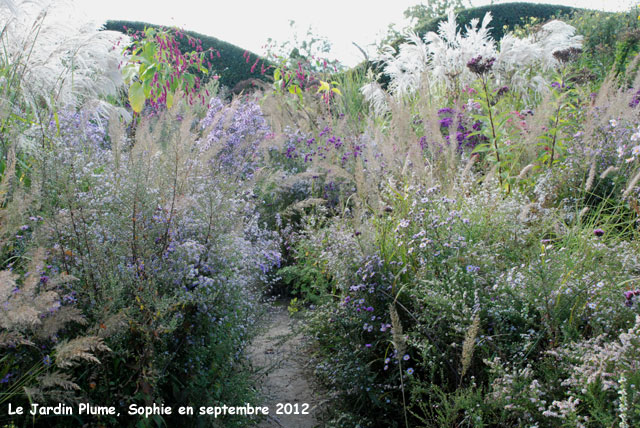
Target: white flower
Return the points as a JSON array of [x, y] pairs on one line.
[[613, 123], [636, 150]]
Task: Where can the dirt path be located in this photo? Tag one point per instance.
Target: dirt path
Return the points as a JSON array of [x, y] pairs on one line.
[[282, 366]]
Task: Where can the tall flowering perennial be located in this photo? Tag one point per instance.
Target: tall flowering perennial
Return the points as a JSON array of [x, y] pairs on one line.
[[482, 67], [157, 68]]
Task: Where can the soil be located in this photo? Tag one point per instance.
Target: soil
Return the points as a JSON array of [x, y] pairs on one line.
[[283, 369]]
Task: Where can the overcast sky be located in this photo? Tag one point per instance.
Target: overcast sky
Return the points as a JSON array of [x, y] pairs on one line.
[[249, 24]]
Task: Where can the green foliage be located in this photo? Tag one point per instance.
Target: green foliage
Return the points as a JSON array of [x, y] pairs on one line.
[[307, 277], [433, 9], [605, 33], [626, 50]]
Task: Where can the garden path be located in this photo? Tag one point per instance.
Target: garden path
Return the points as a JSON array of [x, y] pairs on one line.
[[282, 365]]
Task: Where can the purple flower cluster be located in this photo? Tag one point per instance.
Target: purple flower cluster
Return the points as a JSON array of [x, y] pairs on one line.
[[79, 129], [327, 146], [480, 66], [463, 132], [629, 295], [240, 129]]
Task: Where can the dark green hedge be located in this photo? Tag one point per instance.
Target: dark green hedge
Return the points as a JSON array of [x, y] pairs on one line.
[[509, 14], [232, 66]]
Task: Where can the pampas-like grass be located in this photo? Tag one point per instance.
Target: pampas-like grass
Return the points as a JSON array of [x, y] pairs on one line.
[[59, 55]]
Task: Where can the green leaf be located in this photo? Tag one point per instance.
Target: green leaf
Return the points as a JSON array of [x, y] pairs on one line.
[[480, 148], [169, 99], [149, 52], [146, 85], [136, 97], [148, 71], [324, 86], [190, 82]]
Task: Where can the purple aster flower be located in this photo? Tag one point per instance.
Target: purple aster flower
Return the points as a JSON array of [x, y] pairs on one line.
[[472, 269]]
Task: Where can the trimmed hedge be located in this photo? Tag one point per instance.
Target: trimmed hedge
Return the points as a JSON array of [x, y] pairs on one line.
[[509, 14], [232, 66]]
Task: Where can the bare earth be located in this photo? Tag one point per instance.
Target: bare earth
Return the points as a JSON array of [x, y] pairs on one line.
[[281, 364]]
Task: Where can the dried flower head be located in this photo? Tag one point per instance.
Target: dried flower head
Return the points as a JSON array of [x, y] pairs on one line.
[[567, 55], [480, 66]]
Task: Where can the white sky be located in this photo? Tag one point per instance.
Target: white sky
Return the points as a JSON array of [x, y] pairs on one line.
[[248, 24]]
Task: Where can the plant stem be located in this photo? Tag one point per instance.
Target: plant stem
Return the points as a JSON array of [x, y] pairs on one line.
[[493, 129]]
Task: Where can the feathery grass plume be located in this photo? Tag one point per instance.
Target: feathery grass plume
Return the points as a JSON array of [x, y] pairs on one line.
[[59, 54], [525, 171], [53, 386], [583, 211], [398, 338], [467, 168], [631, 185], [73, 352], [609, 170], [23, 305], [34, 307], [591, 177], [57, 379], [469, 344], [376, 96]]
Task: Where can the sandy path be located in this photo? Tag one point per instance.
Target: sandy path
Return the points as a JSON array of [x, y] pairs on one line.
[[282, 367]]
